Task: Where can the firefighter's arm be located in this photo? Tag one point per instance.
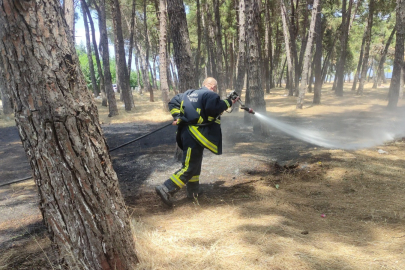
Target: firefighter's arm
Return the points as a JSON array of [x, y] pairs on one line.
[[215, 105], [174, 107]]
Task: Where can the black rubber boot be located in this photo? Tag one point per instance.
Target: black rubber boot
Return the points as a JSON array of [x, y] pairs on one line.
[[166, 193]]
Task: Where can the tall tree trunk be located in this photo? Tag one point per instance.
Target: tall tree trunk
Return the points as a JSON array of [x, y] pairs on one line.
[[95, 49], [357, 74], [131, 39], [181, 43], [211, 40], [112, 103], [318, 57], [267, 47], [164, 87], [293, 29], [232, 64], [122, 71], [380, 69], [367, 48], [96, 90], [79, 196], [242, 45], [394, 91], [219, 52], [290, 86], [147, 66], [255, 93], [343, 41], [198, 52], [69, 13], [138, 74], [307, 57]]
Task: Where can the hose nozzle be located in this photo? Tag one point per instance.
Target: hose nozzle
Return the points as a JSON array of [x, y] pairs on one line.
[[249, 110]]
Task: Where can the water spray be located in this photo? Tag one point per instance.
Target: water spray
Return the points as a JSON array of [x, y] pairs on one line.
[[365, 139]]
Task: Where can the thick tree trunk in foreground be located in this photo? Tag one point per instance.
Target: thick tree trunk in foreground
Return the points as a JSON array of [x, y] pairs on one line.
[[394, 91], [181, 44], [78, 189], [307, 57], [69, 12], [5, 97]]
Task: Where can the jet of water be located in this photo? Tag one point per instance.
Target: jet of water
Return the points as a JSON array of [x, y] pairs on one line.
[[342, 141]]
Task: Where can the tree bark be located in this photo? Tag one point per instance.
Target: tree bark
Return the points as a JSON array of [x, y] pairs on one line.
[[210, 40], [318, 57], [122, 71], [267, 47], [219, 51], [241, 52], [307, 57], [367, 48], [356, 76], [343, 45], [5, 97], [79, 196], [162, 54], [147, 83], [181, 43], [95, 49], [69, 13], [256, 93], [112, 103], [198, 52], [380, 69], [394, 91], [287, 48], [131, 39], [96, 89]]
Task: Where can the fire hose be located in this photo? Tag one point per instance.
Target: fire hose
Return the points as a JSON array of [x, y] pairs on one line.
[[233, 96]]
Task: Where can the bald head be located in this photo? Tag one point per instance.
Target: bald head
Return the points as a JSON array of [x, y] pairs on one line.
[[210, 83]]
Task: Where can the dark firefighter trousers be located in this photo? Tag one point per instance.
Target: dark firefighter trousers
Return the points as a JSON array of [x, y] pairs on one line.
[[189, 174]]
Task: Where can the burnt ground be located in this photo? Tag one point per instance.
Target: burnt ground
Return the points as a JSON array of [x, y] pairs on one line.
[[149, 161], [139, 166]]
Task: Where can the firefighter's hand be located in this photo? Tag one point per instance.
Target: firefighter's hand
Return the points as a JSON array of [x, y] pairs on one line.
[[174, 123], [234, 100]]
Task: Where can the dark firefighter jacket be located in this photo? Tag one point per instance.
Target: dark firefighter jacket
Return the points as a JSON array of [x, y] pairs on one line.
[[199, 111]]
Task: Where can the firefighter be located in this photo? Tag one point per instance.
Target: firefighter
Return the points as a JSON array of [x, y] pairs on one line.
[[197, 116]]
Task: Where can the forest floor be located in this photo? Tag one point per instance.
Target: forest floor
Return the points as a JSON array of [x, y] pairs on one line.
[[269, 202]]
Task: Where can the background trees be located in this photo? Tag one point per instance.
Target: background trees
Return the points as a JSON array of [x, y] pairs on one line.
[[208, 38]]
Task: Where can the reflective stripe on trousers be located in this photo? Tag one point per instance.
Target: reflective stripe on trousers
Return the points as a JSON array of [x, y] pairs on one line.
[[191, 162]]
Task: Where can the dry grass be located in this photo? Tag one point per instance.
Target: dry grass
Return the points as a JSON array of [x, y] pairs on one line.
[[277, 221], [339, 210]]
